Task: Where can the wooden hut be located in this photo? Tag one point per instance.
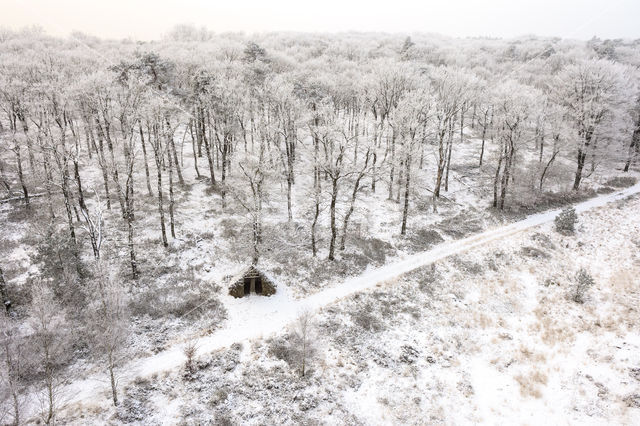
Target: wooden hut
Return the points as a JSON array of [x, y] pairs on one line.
[[251, 280]]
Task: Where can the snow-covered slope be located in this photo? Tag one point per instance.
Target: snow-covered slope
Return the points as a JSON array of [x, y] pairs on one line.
[[255, 317]]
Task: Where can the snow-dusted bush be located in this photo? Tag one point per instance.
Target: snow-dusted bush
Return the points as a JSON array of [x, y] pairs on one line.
[[136, 405], [584, 280], [189, 351], [566, 221], [534, 252], [466, 266], [621, 181], [280, 348], [374, 249], [367, 319]]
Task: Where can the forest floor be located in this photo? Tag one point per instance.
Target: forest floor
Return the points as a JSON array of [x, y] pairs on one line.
[[485, 319]]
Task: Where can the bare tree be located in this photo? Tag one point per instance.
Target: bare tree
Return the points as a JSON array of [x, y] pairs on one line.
[[159, 151], [447, 93], [354, 194], [94, 225], [108, 321], [12, 365], [254, 171], [513, 107], [304, 342], [592, 91], [412, 119], [50, 340], [634, 146]]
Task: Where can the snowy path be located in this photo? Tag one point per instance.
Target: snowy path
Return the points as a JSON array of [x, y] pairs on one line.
[[254, 316]]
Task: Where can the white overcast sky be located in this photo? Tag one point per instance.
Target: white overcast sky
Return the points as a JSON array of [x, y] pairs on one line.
[[149, 19]]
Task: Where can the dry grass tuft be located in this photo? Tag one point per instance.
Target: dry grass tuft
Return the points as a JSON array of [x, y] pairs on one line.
[[531, 384]]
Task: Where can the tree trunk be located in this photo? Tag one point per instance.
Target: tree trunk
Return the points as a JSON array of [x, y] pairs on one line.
[[578, 177], [76, 173], [67, 202], [171, 201], [497, 178], [47, 184], [484, 134], [448, 162], [634, 146], [256, 238], [630, 156], [375, 154], [316, 214], [594, 150], [20, 173], [207, 148], [199, 134], [112, 379], [193, 148], [405, 210], [290, 150], [354, 194], [289, 211], [161, 209], [50, 393], [4, 293], [224, 151], [160, 198], [16, 404], [334, 196], [393, 162], [130, 231], [114, 164], [88, 136], [175, 160], [441, 162], [400, 178], [3, 182], [103, 165], [373, 171], [146, 163], [505, 177], [546, 168]]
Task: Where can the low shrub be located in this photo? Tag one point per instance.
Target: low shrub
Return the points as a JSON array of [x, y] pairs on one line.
[[281, 349], [367, 320], [584, 281], [461, 225], [544, 240], [621, 181], [534, 252], [566, 221], [466, 266], [373, 249]]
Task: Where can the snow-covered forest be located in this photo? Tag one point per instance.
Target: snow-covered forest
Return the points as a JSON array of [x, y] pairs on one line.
[[140, 180]]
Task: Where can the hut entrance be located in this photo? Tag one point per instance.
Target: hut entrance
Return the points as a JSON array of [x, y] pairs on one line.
[[253, 285], [252, 281]]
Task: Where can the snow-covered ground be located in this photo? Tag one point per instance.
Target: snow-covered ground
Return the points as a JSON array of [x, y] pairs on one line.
[[531, 398]]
